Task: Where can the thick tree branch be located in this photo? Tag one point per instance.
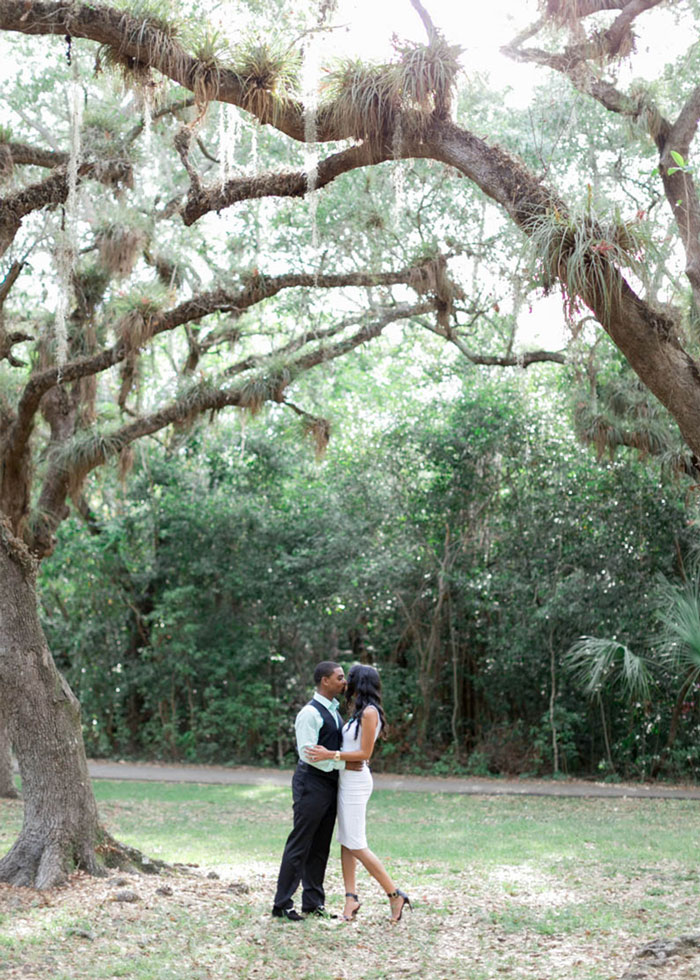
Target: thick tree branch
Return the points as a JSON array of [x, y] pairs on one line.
[[202, 200], [22, 154], [54, 190], [619, 29], [9, 281], [685, 127], [8, 340], [648, 339], [150, 47], [679, 186]]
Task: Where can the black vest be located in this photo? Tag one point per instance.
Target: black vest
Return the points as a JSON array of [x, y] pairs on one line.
[[330, 736]]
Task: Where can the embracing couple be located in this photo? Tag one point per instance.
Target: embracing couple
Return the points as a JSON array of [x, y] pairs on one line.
[[333, 776]]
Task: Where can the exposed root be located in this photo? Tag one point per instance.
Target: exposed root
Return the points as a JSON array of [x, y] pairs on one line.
[[114, 854]]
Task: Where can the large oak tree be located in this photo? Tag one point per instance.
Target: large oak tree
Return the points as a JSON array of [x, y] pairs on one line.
[[52, 437]]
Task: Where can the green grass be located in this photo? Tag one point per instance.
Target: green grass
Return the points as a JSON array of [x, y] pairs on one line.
[[503, 887]]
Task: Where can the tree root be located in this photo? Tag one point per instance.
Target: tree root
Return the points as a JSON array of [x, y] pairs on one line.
[[114, 854], [42, 864], [650, 961]]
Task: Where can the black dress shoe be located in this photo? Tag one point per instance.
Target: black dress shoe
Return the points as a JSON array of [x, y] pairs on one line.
[[320, 912], [291, 915]]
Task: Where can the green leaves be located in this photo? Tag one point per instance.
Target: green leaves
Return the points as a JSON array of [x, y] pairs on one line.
[[683, 166]]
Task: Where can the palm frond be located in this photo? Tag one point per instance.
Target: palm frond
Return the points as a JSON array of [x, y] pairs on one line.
[[679, 614], [594, 662]]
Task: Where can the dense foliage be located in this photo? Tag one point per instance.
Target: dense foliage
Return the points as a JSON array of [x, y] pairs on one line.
[[461, 546]]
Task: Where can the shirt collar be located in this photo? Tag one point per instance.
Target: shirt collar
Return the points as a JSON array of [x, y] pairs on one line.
[[334, 704]]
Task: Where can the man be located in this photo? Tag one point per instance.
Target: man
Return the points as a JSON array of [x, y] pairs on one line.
[[314, 791]]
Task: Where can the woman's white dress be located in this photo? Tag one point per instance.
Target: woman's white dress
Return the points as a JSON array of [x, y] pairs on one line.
[[354, 790]]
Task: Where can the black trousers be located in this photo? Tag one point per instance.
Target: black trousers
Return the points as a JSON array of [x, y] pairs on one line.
[[306, 851]]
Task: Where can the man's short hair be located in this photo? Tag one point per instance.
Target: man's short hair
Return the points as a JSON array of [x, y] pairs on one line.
[[324, 669]]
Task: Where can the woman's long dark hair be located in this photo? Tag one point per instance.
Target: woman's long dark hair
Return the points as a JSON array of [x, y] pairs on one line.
[[364, 688]]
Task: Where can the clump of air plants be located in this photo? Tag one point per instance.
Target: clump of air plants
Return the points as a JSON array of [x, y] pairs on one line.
[[319, 431], [645, 115], [135, 317], [119, 247], [194, 398], [150, 29], [585, 253], [103, 125], [135, 329], [133, 74], [430, 277], [90, 283], [268, 75], [263, 388], [621, 414], [361, 100], [85, 451], [150, 36], [427, 74], [365, 100], [602, 50], [212, 51], [129, 377], [171, 274]]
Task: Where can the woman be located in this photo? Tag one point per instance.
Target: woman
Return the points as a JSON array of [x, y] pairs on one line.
[[364, 693]]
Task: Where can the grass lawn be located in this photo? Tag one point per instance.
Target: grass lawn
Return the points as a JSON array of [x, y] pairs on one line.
[[503, 887]]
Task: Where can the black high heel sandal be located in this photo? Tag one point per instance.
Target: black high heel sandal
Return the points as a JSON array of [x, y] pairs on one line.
[[349, 918], [406, 901]]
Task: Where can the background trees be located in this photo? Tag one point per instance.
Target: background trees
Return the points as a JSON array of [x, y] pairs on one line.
[[462, 545]]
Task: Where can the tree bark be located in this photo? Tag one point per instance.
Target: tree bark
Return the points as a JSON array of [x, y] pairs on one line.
[[60, 826], [8, 789]]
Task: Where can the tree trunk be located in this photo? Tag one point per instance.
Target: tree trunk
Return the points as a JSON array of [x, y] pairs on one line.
[[60, 826], [7, 782]]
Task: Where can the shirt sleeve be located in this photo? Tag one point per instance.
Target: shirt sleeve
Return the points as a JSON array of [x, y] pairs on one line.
[[307, 727]]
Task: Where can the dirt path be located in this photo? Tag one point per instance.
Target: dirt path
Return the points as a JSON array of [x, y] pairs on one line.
[[251, 776]]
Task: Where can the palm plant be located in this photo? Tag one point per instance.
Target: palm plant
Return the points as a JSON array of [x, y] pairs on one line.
[[599, 663], [679, 614]]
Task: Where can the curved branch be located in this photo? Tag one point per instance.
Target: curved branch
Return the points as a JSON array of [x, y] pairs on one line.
[[151, 47], [259, 288], [679, 186], [430, 28], [523, 360], [63, 473], [25, 155], [201, 201], [685, 127]]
